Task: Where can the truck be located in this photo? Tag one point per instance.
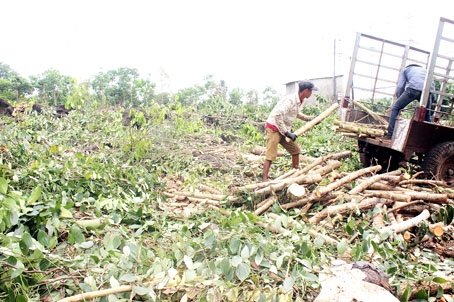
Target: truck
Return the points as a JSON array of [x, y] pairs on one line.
[[374, 69]]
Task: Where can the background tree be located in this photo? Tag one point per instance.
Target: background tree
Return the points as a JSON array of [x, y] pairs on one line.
[[53, 87], [13, 86], [117, 87]]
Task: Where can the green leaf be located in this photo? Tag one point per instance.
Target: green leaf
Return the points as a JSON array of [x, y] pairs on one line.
[[188, 262], [112, 241], [341, 247], [245, 252], [3, 186], [26, 243], [319, 241], [439, 280], [234, 245], [422, 295], [64, 213], [242, 271], [288, 284], [226, 266], [35, 195], [75, 235], [142, 291], [128, 278]]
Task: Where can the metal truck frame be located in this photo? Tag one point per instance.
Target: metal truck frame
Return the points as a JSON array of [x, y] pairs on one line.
[[374, 70]]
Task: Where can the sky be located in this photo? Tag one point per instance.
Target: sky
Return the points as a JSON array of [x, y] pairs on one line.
[[249, 44]]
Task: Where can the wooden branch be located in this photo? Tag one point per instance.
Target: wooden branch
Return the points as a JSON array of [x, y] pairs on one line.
[[330, 166], [307, 200], [375, 116], [315, 121], [349, 178], [265, 205], [431, 182], [365, 184], [203, 200], [359, 128], [432, 197], [389, 195], [302, 179], [378, 220], [407, 224], [219, 197], [345, 208], [209, 189], [98, 293]]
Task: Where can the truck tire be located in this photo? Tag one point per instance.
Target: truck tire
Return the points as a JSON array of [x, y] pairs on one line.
[[439, 163]]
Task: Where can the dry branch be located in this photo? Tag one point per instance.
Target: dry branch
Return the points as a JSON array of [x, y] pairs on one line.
[[430, 182], [349, 178], [307, 200], [219, 197], [389, 195], [209, 189], [316, 120], [365, 184], [433, 197], [265, 205], [407, 224], [345, 208]]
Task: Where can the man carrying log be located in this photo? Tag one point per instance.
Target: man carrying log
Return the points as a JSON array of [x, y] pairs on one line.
[[279, 126]]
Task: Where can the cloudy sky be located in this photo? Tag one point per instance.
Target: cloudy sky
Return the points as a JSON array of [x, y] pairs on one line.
[[249, 44]]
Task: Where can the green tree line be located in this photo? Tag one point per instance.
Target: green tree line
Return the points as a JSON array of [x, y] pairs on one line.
[[119, 87]]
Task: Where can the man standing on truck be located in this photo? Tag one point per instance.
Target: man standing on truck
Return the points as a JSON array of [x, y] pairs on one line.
[[409, 88], [279, 126]]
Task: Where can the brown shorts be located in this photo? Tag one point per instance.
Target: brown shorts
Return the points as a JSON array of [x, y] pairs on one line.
[[273, 139]]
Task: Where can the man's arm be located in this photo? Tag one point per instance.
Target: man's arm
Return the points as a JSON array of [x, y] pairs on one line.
[[304, 117]]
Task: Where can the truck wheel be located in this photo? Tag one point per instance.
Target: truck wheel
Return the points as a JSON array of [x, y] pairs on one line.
[[439, 163]]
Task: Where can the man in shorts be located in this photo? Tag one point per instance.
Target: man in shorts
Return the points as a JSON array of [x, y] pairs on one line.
[[279, 126]]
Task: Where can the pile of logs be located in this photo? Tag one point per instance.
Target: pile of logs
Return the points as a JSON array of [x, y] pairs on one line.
[[400, 202], [357, 129]]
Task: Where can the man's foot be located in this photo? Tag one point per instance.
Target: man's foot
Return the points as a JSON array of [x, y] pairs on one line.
[[387, 136]]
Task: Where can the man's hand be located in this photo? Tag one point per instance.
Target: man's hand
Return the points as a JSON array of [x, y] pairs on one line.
[[291, 135]]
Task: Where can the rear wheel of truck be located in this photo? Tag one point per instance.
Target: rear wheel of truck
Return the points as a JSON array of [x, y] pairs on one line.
[[439, 163]]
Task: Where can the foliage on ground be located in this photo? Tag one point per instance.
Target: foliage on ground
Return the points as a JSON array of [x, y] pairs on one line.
[[82, 209]]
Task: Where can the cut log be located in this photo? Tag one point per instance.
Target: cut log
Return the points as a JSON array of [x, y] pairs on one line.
[[437, 229], [359, 129], [296, 191], [315, 121]]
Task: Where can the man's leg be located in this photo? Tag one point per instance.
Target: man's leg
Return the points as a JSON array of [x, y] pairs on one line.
[[405, 99], [266, 169], [296, 161]]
